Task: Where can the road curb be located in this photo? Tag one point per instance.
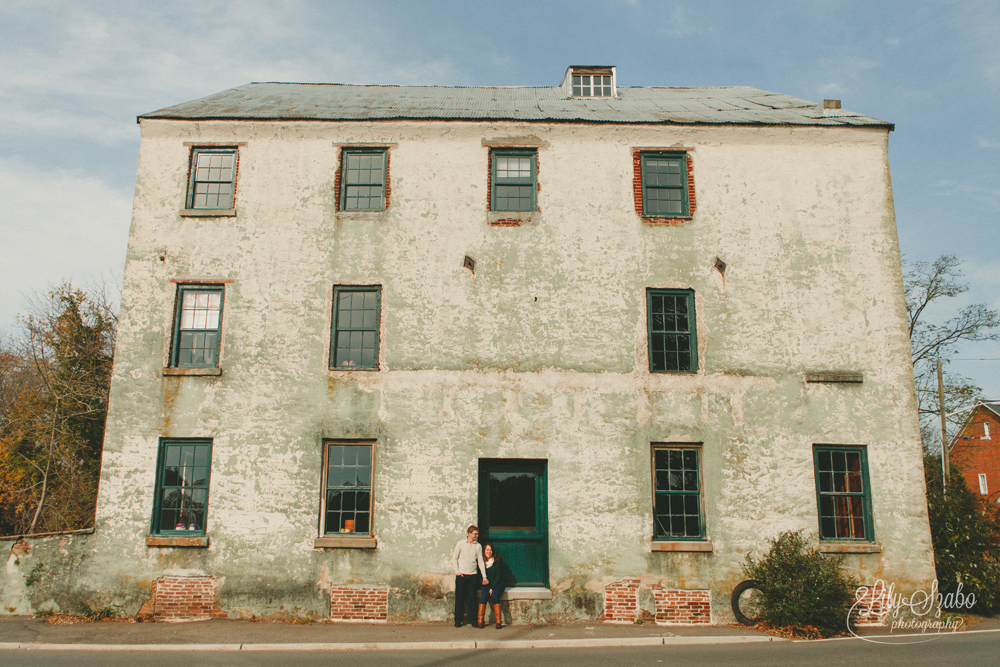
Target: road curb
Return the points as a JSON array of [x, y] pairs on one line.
[[403, 646]]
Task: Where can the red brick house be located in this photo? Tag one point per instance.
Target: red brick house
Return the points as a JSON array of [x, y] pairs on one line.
[[976, 451]]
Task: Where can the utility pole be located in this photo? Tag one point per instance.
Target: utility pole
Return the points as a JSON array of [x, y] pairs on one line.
[[944, 430]]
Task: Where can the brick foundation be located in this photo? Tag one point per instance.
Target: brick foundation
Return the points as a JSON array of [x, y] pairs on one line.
[[871, 605], [674, 606], [680, 607], [621, 601], [359, 603], [181, 598]]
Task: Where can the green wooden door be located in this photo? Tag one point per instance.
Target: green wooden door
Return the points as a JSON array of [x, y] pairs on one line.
[[513, 516]]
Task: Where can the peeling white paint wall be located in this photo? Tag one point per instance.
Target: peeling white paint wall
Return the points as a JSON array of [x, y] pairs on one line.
[[542, 353]]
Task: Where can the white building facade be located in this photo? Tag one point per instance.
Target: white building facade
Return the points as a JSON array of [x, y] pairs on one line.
[[632, 333]]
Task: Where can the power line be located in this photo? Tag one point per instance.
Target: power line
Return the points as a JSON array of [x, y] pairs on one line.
[[976, 359]]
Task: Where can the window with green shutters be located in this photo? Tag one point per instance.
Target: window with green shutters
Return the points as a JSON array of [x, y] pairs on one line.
[[677, 493], [362, 179], [513, 181], [347, 488], [180, 504], [355, 336], [673, 345], [664, 184], [197, 327], [843, 493], [213, 178]]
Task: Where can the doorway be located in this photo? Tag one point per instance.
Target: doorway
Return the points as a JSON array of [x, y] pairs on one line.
[[513, 516]]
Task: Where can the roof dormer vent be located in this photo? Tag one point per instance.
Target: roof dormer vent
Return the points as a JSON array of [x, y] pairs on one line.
[[590, 81]]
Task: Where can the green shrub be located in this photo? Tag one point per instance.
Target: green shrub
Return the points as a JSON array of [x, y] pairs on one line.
[[83, 609], [962, 531], [801, 590], [35, 575]]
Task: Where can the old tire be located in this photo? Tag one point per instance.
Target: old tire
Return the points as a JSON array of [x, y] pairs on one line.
[[740, 589]]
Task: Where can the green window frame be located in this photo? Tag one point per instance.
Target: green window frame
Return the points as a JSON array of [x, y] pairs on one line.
[[673, 341], [592, 85], [665, 184], [843, 493], [183, 471], [513, 180], [212, 183], [677, 505], [197, 326], [363, 179], [348, 468], [354, 343]]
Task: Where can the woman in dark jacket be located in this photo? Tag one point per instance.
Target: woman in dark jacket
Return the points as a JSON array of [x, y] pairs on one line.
[[497, 577]]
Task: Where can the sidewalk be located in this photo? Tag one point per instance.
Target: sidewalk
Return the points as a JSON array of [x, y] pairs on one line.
[[19, 632]]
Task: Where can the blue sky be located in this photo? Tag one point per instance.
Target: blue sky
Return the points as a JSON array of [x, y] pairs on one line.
[[74, 74]]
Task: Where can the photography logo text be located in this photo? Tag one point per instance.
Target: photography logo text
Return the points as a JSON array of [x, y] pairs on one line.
[[916, 614]]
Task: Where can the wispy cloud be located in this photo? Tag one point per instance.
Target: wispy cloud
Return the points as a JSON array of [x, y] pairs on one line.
[[57, 225], [101, 56]]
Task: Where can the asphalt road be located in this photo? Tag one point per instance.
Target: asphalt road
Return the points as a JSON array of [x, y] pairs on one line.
[[969, 648]]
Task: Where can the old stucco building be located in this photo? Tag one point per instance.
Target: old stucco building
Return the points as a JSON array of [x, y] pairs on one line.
[[631, 332]]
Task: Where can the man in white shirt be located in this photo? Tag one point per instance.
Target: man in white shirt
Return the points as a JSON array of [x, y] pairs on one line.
[[467, 557]]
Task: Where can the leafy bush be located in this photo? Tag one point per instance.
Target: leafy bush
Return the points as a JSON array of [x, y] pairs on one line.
[[83, 609], [801, 590], [962, 531]]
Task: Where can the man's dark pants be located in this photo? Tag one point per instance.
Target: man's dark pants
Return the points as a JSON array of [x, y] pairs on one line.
[[465, 596]]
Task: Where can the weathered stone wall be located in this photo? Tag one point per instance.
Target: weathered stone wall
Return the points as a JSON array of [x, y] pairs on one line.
[[542, 353]]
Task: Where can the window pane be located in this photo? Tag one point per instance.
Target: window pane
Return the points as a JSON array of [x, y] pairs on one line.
[[690, 459], [676, 459], [363, 500], [691, 504], [333, 500], [512, 501], [825, 481], [347, 499], [334, 476], [676, 481], [350, 455]]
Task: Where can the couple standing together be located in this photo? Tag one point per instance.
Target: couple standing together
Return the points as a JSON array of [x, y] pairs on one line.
[[477, 566]]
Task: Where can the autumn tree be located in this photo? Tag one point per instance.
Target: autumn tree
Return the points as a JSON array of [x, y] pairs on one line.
[[929, 287], [54, 381]]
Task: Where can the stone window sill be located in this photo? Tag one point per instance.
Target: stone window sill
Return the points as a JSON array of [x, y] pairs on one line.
[[192, 371], [682, 545], [835, 376], [665, 220], [361, 215], [849, 548], [527, 593], [336, 542], [196, 542], [510, 218], [208, 212]]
